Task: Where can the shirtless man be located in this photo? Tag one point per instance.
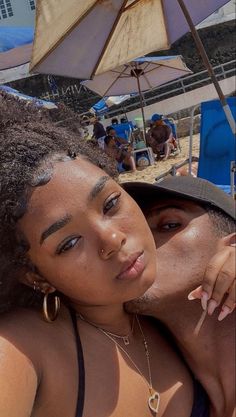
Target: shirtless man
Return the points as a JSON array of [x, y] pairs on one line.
[[191, 219]]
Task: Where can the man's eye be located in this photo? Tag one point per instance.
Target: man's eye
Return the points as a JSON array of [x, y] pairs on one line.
[[169, 226], [69, 244], [113, 202]]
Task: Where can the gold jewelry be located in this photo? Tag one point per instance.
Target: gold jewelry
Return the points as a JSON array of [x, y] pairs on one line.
[[124, 338], [154, 397], [57, 303]]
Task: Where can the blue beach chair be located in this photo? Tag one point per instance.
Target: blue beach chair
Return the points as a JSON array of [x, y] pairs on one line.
[[217, 144]]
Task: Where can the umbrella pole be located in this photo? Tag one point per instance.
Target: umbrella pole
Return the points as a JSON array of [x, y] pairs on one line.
[[141, 105], [202, 51]]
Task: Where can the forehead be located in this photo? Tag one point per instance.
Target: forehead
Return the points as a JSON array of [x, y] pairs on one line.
[[71, 182], [167, 202]]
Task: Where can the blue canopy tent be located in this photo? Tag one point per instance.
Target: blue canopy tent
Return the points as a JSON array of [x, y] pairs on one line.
[[12, 37], [15, 52]]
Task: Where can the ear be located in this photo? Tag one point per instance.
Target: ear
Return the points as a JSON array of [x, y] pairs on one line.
[[229, 240], [37, 282]]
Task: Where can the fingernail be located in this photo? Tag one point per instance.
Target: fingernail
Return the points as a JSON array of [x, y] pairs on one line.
[[191, 296], [224, 312], [211, 307], [204, 299]]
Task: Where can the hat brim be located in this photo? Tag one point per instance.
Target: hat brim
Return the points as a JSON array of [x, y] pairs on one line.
[[145, 194]]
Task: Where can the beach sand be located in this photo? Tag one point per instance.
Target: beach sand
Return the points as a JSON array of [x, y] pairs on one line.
[[151, 172]]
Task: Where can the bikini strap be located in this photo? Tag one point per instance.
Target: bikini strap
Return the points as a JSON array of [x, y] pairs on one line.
[[80, 359]]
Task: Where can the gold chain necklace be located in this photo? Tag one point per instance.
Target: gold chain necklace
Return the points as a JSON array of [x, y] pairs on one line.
[[124, 338], [154, 397]]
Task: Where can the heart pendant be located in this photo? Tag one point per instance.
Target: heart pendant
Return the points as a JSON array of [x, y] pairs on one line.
[[154, 401]]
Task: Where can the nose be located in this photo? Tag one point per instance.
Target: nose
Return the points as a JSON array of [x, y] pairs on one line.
[[110, 242]]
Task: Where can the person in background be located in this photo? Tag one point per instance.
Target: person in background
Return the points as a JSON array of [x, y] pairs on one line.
[[192, 220], [99, 132], [160, 137], [114, 121], [119, 149]]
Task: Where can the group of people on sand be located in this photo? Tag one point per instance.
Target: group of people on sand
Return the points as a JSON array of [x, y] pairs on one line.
[[97, 281], [160, 137], [117, 148]]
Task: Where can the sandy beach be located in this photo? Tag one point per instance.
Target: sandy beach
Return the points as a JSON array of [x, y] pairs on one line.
[[151, 172]]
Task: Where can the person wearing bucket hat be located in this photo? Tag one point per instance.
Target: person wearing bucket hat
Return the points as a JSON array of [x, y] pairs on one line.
[[160, 137], [192, 220]]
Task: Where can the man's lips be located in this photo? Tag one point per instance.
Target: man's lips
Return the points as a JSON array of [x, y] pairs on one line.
[[133, 267]]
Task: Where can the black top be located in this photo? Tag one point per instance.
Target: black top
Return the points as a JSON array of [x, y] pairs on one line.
[[200, 401], [98, 130], [80, 359]]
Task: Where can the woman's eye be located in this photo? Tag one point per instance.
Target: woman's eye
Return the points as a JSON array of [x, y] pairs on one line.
[[113, 202], [67, 245]]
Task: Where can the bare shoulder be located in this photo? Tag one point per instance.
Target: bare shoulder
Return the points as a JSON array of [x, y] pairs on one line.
[[25, 329], [31, 352]]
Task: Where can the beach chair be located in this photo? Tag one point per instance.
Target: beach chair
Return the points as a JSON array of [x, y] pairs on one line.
[[123, 130], [217, 145]]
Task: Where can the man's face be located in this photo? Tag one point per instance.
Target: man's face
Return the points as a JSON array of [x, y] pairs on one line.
[[185, 242], [112, 132]]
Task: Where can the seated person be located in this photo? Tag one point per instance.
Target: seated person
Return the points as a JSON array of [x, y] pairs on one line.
[[119, 149], [161, 138], [99, 132]]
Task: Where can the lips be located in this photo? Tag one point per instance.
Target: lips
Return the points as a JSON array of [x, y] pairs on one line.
[[133, 267]]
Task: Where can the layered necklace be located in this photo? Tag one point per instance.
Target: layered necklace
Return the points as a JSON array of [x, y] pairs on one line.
[[154, 396]]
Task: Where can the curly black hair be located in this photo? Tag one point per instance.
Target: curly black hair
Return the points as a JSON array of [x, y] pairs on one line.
[[29, 143]]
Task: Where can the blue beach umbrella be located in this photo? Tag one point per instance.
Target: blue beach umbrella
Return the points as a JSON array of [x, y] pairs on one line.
[[15, 52]]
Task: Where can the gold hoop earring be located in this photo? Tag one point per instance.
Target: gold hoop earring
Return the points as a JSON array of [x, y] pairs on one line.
[[57, 304]]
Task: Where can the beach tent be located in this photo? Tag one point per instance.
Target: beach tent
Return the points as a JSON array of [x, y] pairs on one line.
[[15, 52]]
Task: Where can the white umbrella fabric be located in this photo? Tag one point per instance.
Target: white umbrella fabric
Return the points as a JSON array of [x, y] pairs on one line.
[[82, 38], [138, 76], [142, 74]]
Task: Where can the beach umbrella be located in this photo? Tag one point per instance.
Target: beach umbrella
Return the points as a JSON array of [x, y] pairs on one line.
[[103, 105], [15, 52], [82, 38], [137, 76]]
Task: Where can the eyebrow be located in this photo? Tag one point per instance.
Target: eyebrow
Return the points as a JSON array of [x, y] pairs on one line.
[[98, 187], [55, 227], [159, 210]]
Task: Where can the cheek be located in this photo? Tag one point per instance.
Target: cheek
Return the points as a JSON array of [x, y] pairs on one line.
[[64, 272], [182, 258]]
